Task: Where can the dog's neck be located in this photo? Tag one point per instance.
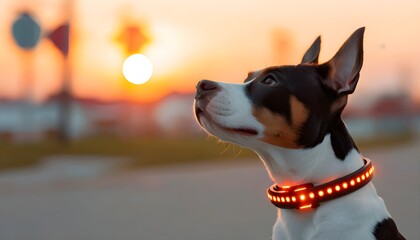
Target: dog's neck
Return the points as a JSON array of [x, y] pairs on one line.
[[289, 167]]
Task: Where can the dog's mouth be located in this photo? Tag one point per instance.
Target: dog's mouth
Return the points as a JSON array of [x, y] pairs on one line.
[[242, 131], [239, 130], [198, 111]]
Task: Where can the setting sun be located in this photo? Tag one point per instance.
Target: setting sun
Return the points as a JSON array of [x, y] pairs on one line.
[[137, 69]]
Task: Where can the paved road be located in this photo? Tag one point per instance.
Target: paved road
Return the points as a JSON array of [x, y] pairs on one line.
[[63, 201]]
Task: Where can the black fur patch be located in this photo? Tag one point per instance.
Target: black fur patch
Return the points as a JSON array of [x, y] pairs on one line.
[[341, 141], [305, 83], [387, 230]]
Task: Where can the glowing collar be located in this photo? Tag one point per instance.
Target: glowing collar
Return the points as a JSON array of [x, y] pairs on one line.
[[310, 196]]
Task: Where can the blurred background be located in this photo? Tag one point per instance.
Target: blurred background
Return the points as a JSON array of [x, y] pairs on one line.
[[97, 135]]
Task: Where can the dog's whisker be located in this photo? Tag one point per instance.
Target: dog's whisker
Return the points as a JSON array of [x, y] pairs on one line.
[[227, 147], [239, 153]]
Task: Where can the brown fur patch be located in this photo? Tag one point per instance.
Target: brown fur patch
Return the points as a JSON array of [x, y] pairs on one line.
[[277, 130]]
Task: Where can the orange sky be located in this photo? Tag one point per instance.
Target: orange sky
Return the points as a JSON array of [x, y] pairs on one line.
[[217, 39]]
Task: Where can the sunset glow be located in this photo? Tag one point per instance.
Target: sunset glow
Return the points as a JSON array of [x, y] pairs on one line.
[[190, 44]]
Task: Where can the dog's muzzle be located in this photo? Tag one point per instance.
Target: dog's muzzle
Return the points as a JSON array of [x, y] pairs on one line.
[[206, 88]]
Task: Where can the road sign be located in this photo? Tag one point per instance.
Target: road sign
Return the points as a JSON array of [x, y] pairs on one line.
[[26, 31], [60, 38], [133, 39]]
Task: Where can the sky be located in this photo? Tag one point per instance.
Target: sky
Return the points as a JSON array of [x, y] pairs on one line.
[[218, 40]]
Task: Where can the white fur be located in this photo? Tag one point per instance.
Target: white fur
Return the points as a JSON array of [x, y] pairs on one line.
[[230, 108], [350, 217]]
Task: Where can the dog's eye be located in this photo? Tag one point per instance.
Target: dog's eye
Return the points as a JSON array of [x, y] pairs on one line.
[[269, 81]]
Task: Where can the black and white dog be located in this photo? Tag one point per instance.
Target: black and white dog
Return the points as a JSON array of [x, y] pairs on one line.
[[291, 117]]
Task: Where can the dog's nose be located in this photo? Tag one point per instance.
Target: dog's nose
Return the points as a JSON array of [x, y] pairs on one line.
[[206, 87]]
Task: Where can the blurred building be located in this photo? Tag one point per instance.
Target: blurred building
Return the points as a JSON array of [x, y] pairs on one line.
[[390, 115], [171, 116], [174, 115], [283, 44]]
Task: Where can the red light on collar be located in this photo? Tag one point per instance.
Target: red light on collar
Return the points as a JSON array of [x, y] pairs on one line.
[[310, 196]]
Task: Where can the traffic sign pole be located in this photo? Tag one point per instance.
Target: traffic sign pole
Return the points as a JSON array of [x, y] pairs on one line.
[[26, 33], [60, 37]]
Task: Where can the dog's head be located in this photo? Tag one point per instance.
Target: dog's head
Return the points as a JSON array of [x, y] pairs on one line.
[[286, 106]]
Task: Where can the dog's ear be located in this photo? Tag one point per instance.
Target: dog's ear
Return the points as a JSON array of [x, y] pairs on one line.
[[344, 67], [312, 54]]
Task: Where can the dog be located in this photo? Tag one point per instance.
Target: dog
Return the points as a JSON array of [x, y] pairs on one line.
[[291, 117]]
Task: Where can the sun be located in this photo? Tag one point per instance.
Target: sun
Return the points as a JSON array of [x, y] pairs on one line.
[[137, 69]]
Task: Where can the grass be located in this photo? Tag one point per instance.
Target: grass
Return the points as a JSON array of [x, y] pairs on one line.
[[385, 141], [147, 152], [144, 151]]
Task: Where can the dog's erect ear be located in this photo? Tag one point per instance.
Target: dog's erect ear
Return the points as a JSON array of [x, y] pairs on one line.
[[345, 66], [312, 54]]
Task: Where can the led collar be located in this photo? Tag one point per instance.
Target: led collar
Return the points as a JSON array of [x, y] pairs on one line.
[[310, 196]]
